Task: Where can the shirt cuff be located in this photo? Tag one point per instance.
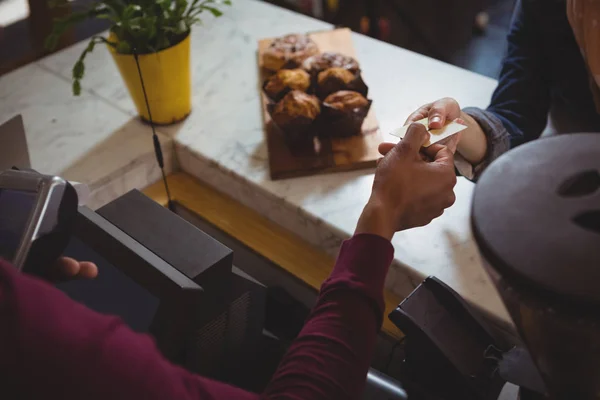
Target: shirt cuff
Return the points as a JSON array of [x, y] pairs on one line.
[[498, 140], [463, 166], [362, 265], [367, 258]]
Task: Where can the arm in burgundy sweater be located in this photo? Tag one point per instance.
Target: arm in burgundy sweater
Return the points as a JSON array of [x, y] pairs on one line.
[[52, 347]]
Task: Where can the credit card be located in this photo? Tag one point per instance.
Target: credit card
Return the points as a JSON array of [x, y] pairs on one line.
[[435, 135]]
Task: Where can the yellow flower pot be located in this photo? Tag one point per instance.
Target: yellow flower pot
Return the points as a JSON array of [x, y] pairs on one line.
[[167, 80]]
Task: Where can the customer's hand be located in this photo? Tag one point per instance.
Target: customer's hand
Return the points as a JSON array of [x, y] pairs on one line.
[[409, 191], [67, 268]]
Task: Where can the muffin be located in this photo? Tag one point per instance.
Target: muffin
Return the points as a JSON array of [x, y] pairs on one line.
[[289, 51], [335, 79], [295, 115], [343, 114], [320, 62], [284, 80]]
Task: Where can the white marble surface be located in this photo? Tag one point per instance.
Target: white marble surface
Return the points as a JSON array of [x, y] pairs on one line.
[[84, 138], [221, 142]]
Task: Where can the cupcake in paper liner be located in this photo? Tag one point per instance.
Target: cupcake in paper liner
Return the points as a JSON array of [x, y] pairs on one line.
[[343, 114], [288, 52], [295, 115], [336, 79], [286, 80], [320, 62]]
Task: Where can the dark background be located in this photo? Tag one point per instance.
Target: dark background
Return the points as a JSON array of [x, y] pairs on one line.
[[443, 29]]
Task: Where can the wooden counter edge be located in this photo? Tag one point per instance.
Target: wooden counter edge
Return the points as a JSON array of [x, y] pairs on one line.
[[283, 248]]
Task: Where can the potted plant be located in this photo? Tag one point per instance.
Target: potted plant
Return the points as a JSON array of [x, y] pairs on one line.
[[153, 35]]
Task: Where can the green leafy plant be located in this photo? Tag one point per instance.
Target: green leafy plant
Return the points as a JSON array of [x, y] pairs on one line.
[[137, 26]]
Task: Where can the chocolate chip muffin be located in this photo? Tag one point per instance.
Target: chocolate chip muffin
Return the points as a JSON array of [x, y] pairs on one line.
[[320, 62], [343, 114], [285, 80], [295, 115], [289, 51], [335, 79]]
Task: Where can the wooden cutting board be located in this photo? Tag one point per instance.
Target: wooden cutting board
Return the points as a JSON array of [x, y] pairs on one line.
[[331, 155]]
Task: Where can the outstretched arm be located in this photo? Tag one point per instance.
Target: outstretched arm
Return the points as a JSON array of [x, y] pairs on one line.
[[53, 347], [331, 356]]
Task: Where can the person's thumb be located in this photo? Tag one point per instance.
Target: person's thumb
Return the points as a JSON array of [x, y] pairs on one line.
[[441, 155], [441, 111], [437, 117], [416, 136]]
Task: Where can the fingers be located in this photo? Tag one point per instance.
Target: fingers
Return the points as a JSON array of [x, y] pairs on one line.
[[87, 270], [385, 148], [418, 115], [416, 136], [441, 111], [439, 153], [443, 159], [66, 267], [432, 150], [451, 142], [443, 153]]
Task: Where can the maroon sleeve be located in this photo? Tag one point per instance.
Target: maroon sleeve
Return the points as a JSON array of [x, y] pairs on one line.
[[53, 347], [331, 356]]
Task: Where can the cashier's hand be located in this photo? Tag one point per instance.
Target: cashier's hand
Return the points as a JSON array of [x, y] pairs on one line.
[[470, 143], [67, 268], [438, 112], [409, 191]]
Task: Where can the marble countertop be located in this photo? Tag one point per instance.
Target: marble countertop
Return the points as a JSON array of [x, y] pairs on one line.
[[97, 139]]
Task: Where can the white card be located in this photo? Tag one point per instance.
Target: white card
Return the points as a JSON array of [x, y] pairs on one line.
[[435, 135]]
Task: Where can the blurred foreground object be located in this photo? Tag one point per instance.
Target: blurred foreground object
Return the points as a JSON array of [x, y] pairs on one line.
[[536, 220]]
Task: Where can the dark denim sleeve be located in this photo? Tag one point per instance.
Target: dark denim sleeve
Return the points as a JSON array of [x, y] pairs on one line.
[[519, 108], [498, 138]]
